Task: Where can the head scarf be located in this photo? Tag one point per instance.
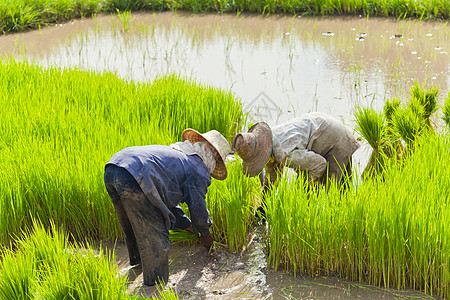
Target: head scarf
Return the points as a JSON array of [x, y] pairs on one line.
[[199, 148]]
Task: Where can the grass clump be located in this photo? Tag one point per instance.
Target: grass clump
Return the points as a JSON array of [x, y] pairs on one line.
[[388, 133], [59, 127], [46, 266], [390, 231], [231, 203], [446, 110]]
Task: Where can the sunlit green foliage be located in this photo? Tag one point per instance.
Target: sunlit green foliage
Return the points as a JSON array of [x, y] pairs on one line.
[[446, 110], [428, 100], [371, 126], [390, 231], [231, 203], [46, 266], [58, 128], [398, 124]]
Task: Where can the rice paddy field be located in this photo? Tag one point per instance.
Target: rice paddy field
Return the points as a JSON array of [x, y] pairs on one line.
[[58, 128], [18, 15]]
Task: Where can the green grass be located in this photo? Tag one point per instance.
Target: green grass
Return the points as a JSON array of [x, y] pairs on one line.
[[390, 231], [58, 128], [45, 265], [386, 132], [19, 15], [232, 203]]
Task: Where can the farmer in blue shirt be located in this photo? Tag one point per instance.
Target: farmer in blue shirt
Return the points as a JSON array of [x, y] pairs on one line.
[[146, 185]]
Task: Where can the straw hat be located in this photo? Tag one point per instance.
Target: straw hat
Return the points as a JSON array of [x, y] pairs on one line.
[[254, 147], [219, 144]]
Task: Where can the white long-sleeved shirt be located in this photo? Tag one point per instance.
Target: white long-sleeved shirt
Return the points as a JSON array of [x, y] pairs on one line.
[[304, 142]]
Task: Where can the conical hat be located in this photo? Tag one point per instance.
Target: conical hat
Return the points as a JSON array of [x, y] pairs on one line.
[[218, 142], [254, 147]]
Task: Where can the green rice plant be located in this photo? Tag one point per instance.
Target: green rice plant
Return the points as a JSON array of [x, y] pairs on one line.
[[409, 124], [287, 208], [390, 231], [59, 127], [371, 126], [16, 276], [125, 20], [166, 293], [427, 99], [46, 266], [232, 203], [446, 110], [390, 108], [182, 236]]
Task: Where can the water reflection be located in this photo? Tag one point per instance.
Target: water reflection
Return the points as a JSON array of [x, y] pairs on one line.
[[279, 66]]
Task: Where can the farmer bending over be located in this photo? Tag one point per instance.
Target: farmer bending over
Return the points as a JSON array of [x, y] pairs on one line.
[[315, 143], [146, 185]]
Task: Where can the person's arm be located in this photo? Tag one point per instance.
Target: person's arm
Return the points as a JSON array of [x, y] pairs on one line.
[[305, 160], [182, 220], [201, 221]]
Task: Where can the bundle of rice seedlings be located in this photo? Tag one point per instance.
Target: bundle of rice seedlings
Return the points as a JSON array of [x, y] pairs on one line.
[[446, 110], [371, 126], [395, 148], [408, 124], [182, 236], [427, 99], [390, 107]]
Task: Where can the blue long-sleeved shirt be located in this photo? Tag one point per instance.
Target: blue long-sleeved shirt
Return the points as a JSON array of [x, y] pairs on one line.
[[169, 177]]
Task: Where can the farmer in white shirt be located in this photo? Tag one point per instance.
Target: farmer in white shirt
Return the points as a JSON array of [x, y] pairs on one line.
[[315, 143]]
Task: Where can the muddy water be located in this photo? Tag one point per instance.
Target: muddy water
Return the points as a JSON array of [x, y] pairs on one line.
[[197, 274], [280, 67]]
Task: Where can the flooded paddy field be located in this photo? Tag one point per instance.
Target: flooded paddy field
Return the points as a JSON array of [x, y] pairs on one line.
[[280, 67], [195, 274]]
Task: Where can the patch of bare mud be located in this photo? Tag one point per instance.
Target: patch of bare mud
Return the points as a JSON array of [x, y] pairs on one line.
[[197, 274]]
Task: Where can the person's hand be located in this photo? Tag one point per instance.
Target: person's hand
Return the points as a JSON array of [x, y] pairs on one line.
[[190, 229], [206, 241]]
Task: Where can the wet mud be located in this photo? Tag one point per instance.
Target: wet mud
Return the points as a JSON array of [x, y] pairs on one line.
[[197, 274]]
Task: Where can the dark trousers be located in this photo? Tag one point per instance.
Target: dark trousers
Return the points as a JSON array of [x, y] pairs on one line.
[[143, 225]]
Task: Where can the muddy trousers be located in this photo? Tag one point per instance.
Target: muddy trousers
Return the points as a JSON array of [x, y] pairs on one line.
[[143, 225]]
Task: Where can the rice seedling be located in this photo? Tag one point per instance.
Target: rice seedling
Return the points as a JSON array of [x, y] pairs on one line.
[[446, 110], [125, 20], [59, 127], [46, 266], [427, 99], [396, 147], [385, 133], [182, 236], [371, 126], [408, 123], [232, 203], [390, 231]]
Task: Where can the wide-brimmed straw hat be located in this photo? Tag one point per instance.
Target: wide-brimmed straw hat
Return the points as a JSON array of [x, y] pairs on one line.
[[254, 147], [220, 145]]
